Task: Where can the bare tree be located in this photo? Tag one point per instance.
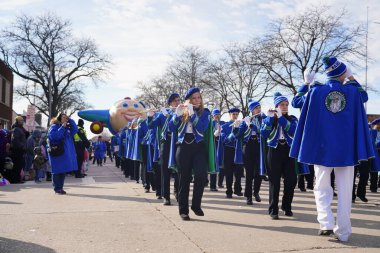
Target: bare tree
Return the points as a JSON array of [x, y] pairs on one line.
[[236, 79], [297, 42], [36, 47], [185, 71]]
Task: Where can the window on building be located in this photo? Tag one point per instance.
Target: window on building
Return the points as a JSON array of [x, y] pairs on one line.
[[3, 90]]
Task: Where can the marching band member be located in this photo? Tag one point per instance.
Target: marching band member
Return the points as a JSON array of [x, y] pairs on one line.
[[232, 154], [161, 122], [191, 121], [216, 126], [278, 129], [250, 129], [375, 132], [145, 156], [320, 140], [129, 139]]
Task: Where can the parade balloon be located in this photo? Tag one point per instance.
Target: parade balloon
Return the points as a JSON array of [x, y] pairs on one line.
[[118, 116]]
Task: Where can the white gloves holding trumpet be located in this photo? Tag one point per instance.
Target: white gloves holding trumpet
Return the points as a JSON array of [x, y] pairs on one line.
[[164, 111], [247, 120], [236, 123], [181, 108]]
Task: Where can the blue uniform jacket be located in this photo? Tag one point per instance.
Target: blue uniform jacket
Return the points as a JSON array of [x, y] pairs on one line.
[[199, 122], [230, 138], [332, 129], [272, 133]]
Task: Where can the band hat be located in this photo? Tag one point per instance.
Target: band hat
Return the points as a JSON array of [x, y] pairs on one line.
[[375, 121], [191, 91], [252, 104], [232, 110], [172, 97], [215, 112], [333, 67], [278, 98]]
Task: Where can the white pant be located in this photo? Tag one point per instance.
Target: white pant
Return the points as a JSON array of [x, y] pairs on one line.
[[323, 193]]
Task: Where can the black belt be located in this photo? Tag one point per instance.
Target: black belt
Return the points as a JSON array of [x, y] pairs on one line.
[[282, 141], [254, 137]]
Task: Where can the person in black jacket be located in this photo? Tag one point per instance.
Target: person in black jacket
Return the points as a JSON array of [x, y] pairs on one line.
[[18, 149]]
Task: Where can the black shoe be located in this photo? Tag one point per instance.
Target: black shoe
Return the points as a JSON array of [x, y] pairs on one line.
[[229, 196], [288, 213], [79, 176], [310, 187], [364, 199], [146, 191], [265, 178], [373, 190], [335, 194], [198, 211], [238, 193], [159, 197], [323, 232], [353, 200], [257, 197], [221, 186], [302, 189], [274, 216], [213, 189], [167, 202], [249, 202], [184, 216]]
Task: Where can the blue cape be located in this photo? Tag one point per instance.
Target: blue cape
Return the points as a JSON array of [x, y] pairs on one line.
[[332, 130]]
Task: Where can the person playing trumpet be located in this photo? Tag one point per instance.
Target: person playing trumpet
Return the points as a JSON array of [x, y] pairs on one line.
[[190, 121], [250, 130], [161, 121], [278, 129], [231, 156]]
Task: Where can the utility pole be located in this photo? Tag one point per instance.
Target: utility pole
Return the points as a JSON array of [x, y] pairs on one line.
[[366, 60]]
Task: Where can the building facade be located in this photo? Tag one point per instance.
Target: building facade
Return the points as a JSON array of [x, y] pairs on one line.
[[6, 95]]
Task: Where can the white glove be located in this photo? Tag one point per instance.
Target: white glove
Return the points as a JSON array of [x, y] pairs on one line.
[[164, 111], [279, 112], [217, 133], [270, 114], [348, 72], [179, 110], [236, 124], [308, 76], [190, 109], [150, 114], [247, 120]]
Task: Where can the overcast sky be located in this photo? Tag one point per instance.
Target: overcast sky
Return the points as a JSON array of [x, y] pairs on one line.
[[141, 35]]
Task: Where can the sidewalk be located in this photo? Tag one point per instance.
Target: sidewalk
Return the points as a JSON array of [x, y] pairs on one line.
[[105, 213]]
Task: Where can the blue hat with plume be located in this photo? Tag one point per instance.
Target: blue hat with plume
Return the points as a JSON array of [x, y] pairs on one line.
[[232, 110], [252, 104], [278, 98], [191, 91], [333, 67], [172, 97], [215, 112]]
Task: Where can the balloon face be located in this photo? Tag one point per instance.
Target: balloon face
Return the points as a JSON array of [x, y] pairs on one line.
[[124, 111]]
